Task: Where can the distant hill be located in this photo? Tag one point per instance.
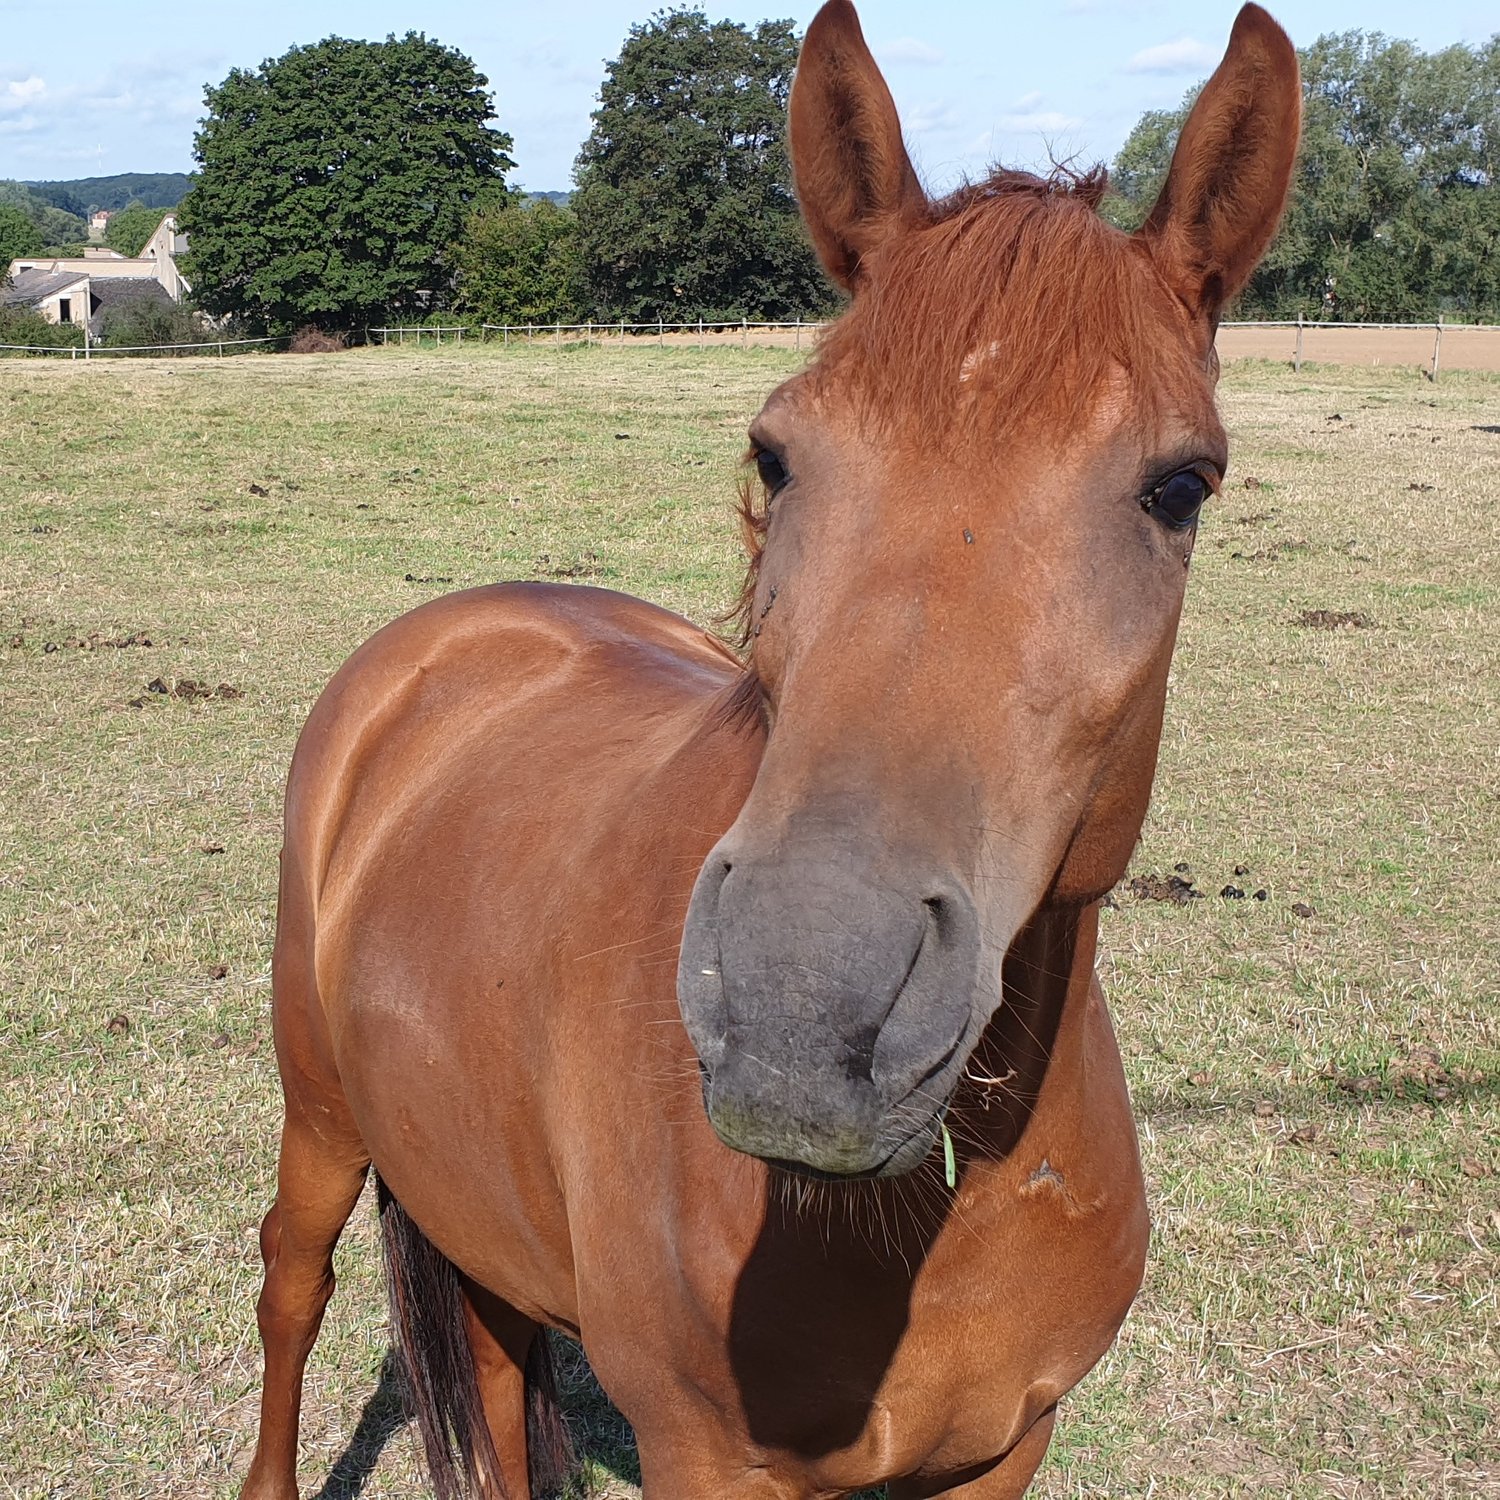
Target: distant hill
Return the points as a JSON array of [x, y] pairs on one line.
[[57, 225], [82, 195], [561, 199]]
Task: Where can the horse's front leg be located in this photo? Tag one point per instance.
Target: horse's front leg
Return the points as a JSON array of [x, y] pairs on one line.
[[318, 1183], [1007, 1478]]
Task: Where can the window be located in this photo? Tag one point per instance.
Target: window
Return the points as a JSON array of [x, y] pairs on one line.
[[64, 309]]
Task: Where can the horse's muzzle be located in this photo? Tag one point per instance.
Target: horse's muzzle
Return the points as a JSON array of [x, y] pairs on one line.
[[832, 1004]]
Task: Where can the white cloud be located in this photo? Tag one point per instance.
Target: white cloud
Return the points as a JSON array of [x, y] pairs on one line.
[[1028, 101], [1046, 121], [1185, 55], [924, 119], [20, 92], [907, 49]]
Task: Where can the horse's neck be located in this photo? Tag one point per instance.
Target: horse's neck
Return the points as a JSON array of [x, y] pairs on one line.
[[1039, 1034]]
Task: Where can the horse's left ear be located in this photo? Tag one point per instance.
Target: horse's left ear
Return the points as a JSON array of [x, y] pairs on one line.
[[854, 179], [1232, 169]]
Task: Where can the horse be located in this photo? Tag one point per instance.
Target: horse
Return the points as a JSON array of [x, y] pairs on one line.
[[734, 1012]]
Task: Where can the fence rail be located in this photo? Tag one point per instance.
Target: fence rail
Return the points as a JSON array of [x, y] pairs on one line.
[[99, 351], [619, 328], [701, 331]]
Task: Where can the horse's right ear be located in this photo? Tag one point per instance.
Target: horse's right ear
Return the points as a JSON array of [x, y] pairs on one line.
[[1231, 170], [854, 179]]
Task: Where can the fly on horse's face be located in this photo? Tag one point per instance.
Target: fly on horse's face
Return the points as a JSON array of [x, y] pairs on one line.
[[980, 506]]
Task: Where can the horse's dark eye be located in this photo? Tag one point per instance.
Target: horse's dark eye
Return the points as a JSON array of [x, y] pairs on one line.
[[773, 472], [1177, 501]]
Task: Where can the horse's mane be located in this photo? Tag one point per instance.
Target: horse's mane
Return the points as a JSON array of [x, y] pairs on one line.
[[1010, 306]]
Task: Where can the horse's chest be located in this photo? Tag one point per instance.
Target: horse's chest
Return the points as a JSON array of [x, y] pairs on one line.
[[1010, 1309]]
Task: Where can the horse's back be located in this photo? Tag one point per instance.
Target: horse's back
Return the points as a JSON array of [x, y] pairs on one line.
[[493, 790]]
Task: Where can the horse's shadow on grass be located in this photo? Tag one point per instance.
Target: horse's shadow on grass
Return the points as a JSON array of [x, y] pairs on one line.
[[603, 1443], [384, 1415]]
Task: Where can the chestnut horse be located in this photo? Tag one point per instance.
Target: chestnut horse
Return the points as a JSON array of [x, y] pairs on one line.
[[831, 1167]]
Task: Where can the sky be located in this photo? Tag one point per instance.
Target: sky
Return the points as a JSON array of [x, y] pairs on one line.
[[95, 87]]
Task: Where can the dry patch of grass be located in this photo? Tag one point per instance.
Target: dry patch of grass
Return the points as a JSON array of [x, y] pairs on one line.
[[1315, 1072]]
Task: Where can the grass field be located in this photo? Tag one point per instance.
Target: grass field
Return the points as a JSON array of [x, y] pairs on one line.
[[1318, 1094]]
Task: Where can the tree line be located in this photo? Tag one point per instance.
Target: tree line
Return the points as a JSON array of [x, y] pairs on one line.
[[1395, 215], [349, 183]]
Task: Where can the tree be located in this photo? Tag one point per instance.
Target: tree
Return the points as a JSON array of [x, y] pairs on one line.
[[56, 226], [1396, 209], [131, 227], [18, 237], [518, 262], [333, 180], [684, 196]]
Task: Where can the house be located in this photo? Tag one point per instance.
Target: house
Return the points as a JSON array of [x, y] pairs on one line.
[[80, 289], [98, 223]]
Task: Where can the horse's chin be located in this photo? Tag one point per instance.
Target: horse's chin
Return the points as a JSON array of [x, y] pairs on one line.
[[908, 1155]]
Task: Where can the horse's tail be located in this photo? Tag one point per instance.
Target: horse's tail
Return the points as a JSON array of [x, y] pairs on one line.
[[427, 1320]]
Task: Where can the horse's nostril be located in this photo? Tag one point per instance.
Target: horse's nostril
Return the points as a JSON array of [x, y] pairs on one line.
[[939, 914]]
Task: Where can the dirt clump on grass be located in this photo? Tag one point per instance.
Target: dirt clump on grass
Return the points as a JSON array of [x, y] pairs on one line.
[[1334, 619], [1173, 888]]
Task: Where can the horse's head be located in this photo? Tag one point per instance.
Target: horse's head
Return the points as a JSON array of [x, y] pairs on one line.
[[980, 506]]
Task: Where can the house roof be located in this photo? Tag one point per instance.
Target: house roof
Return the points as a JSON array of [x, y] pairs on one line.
[[118, 291], [27, 288]]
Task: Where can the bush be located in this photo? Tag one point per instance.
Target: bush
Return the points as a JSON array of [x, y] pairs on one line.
[[310, 340], [134, 324], [520, 263], [20, 325]]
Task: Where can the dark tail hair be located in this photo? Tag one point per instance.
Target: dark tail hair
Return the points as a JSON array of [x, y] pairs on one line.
[[427, 1321]]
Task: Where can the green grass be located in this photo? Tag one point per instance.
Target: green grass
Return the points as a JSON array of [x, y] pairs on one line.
[[1317, 1095]]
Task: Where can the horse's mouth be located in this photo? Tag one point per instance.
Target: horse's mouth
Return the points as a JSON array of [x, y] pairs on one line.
[[908, 1152]]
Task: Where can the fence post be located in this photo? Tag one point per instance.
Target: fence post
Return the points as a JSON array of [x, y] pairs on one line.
[[661, 332], [700, 333], [799, 333], [221, 348], [557, 334], [1437, 346], [744, 333], [1297, 357], [622, 333]]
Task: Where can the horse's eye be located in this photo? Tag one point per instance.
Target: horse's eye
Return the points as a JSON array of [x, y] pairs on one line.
[[1176, 501], [772, 470]]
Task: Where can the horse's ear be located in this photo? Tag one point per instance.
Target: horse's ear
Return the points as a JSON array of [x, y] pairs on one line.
[[854, 178], [1231, 170]]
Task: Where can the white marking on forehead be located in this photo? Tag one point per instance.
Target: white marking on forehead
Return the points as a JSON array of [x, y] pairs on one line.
[[1111, 408], [1113, 405], [977, 357]]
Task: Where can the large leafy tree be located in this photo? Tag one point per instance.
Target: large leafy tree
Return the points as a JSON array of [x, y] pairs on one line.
[[1396, 209], [333, 180], [684, 196], [518, 262]]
